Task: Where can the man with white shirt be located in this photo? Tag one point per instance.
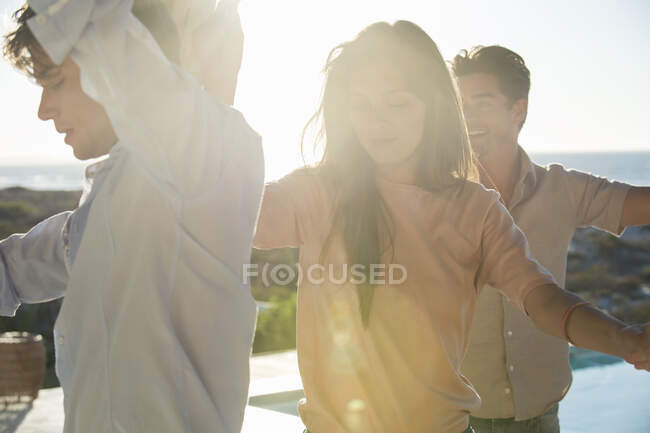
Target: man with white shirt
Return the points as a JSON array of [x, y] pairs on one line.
[[156, 326], [520, 373]]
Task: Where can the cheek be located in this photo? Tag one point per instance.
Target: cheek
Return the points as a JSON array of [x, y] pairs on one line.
[[362, 124], [77, 107], [497, 120], [91, 114], [411, 128], [364, 130], [358, 125]]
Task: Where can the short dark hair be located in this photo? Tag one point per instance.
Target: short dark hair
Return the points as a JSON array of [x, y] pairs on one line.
[[20, 45], [24, 52], [506, 65]]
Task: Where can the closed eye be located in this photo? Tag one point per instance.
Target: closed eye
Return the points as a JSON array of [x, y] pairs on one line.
[[398, 99], [359, 105]]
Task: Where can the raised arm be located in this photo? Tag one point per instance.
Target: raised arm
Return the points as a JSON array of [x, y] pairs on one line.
[[208, 42], [33, 267], [180, 134]]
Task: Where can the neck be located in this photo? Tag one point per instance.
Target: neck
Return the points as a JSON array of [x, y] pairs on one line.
[[502, 167], [404, 172]]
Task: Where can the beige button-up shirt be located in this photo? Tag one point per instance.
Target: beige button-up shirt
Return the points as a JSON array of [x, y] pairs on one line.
[[518, 370]]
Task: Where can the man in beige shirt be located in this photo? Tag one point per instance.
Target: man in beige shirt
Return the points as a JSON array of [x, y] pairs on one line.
[[521, 373]]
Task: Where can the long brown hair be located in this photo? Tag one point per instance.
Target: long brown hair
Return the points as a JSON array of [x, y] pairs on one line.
[[349, 172]]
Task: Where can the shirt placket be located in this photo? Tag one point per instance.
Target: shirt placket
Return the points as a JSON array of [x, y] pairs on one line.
[[509, 328], [510, 338]]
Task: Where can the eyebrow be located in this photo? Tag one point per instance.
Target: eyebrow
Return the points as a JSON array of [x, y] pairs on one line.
[[354, 92]]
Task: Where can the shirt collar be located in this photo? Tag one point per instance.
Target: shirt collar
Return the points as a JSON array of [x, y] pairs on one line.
[[527, 178], [96, 170], [527, 174], [93, 169]]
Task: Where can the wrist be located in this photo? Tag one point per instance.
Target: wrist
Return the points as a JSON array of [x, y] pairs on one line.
[[628, 339]]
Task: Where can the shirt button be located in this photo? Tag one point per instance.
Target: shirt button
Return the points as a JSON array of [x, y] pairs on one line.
[[509, 333], [40, 19], [61, 340], [512, 367], [507, 390]]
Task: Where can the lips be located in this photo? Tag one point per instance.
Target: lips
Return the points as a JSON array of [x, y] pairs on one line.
[[383, 141], [68, 133], [477, 132]]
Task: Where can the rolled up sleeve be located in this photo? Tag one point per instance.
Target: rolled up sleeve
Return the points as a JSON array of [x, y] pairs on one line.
[[179, 134], [506, 262], [277, 226], [598, 201]]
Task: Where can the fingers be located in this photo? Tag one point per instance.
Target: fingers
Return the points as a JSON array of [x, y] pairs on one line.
[[639, 356], [642, 366], [635, 359]]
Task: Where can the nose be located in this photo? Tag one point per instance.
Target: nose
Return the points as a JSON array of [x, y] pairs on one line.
[[471, 115], [47, 109], [467, 110], [378, 115]]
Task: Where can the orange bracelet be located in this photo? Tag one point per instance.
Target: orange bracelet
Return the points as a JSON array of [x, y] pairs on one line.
[[566, 316]]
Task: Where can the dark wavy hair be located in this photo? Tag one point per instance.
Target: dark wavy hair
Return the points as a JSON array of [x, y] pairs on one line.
[[509, 68], [349, 172]]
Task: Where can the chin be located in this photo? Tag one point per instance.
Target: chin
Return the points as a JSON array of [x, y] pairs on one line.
[[481, 149], [384, 160], [387, 158], [84, 152], [81, 154]]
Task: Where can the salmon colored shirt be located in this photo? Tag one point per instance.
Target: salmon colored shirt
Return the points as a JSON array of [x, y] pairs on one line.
[[401, 373]]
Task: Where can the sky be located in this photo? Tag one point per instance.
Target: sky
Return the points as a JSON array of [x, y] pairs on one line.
[[589, 62]]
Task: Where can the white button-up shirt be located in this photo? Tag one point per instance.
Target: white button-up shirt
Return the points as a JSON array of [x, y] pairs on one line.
[[155, 331]]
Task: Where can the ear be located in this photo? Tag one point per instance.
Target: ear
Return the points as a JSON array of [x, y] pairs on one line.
[[519, 111]]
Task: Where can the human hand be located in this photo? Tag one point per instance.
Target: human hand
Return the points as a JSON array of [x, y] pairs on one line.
[[636, 345], [217, 50], [210, 41]]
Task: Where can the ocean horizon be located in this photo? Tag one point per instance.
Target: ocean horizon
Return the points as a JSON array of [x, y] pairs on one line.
[[629, 167]]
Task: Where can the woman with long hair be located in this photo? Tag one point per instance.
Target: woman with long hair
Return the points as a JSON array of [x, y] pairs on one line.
[[395, 239]]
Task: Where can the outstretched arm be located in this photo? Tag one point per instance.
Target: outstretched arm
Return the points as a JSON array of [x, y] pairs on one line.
[[509, 266], [587, 326], [33, 266], [636, 208], [286, 205]]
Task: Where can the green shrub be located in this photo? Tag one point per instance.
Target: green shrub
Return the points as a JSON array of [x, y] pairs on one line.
[[17, 209], [276, 327], [607, 244]]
